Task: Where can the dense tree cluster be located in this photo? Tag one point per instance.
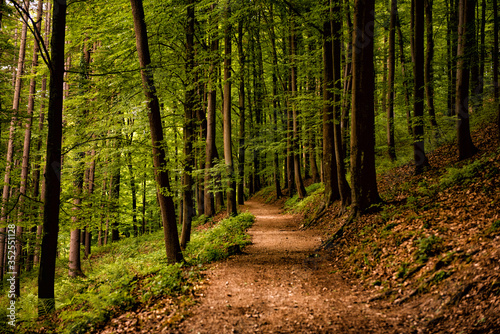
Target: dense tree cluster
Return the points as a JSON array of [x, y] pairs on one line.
[[135, 116]]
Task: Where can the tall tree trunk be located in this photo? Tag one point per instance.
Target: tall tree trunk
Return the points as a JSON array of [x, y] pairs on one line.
[[329, 160], [46, 274], [228, 152], [77, 235], [210, 150], [202, 121], [496, 84], [26, 154], [189, 116], [363, 176], [466, 42], [419, 156], [90, 191], [166, 202], [404, 72], [343, 186], [474, 65], [38, 150], [241, 96], [428, 70], [10, 144], [451, 37], [301, 190], [144, 205], [482, 55], [133, 190], [390, 84], [114, 195], [276, 167], [346, 105]]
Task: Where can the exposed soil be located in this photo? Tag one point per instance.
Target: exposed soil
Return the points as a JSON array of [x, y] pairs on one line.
[[282, 283]]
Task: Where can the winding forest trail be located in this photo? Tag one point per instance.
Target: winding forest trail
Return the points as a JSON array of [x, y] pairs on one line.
[[282, 284]]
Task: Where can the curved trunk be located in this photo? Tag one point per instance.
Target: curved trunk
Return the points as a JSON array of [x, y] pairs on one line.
[[165, 200]]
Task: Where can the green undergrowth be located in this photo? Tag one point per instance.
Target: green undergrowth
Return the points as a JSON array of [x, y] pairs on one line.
[[124, 275], [314, 194]]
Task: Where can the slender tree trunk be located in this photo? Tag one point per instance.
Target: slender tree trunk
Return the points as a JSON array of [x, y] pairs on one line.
[[390, 84], [133, 189], [428, 67], [189, 116], [343, 186], [241, 142], [404, 74], [144, 205], [496, 83], [466, 42], [301, 190], [452, 53], [211, 125], [114, 195], [10, 149], [276, 163], [77, 234], [482, 56], [474, 65], [166, 202], [38, 150], [346, 106], [90, 191], [46, 275], [419, 156], [228, 153], [363, 176], [329, 161], [202, 120], [22, 217]]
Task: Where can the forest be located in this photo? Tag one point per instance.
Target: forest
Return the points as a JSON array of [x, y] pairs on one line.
[[142, 140]]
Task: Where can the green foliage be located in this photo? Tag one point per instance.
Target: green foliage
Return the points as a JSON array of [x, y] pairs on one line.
[[218, 242], [427, 247], [495, 227], [126, 273], [462, 176], [440, 276], [314, 192]]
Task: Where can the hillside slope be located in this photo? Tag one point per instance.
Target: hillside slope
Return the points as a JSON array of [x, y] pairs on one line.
[[432, 249]]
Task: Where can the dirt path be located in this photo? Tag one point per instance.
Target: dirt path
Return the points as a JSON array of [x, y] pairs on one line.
[[282, 285]]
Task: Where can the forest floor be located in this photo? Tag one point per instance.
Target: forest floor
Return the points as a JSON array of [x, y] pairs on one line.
[[427, 260]]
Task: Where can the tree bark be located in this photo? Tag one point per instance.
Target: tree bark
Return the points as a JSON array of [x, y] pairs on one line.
[[210, 150], [329, 160], [189, 116], [299, 184], [10, 146], [228, 152], [276, 165], [38, 150], [419, 156], [402, 58], [46, 275], [451, 38], [428, 70], [363, 176], [496, 84], [390, 82], [166, 202], [22, 217], [466, 42], [343, 186], [241, 106]]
